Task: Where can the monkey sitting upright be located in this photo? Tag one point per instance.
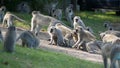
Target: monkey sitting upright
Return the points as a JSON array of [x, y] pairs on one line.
[[56, 36], [10, 39], [78, 22], [57, 14], [66, 32], [69, 14]]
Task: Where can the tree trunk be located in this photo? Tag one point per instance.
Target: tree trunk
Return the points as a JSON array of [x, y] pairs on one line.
[[74, 2]]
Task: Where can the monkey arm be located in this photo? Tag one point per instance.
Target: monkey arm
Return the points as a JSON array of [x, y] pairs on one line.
[[79, 40], [3, 22], [33, 24], [51, 40]]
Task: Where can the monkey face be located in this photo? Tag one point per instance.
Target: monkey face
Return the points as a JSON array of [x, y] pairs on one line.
[[74, 33], [55, 15], [76, 18], [3, 8], [51, 30], [53, 10], [70, 11], [105, 25], [79, 29], [12, 28], [76, 30], [35, 12]]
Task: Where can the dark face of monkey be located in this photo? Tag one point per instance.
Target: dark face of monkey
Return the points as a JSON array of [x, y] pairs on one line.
[[70, 11], [76, 20], [2, 9], [12, 28], [51, 30], [35, 12], [76, 30]]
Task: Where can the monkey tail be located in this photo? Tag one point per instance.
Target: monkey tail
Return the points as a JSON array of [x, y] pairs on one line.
[[19, 18]]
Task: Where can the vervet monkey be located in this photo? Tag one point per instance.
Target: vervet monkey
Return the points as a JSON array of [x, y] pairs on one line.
[[108, 50], [116, 33], [83, 35], [115, 54], [89, 29], [94, 46], [56, 37], [29, 39], [65, 29], [51, 7], [57, 14], [108, 37], [9, 19], [10, 39], [2, 13], [23, 7], [66, 32], [69, 14], [78, 22], [39, 20], [112, 26]]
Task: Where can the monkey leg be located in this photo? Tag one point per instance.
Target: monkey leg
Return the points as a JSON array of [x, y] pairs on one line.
[[83, 45], [104, 61], [119, 63], [113, 61], [23, 44]]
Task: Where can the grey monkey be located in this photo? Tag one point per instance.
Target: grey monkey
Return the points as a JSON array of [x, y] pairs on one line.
[[10, 39], [29, 39]]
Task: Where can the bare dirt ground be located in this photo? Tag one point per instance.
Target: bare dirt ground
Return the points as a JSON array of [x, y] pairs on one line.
[[68, 51]]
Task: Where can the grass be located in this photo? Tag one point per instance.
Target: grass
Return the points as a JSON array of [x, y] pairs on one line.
[[31, 58]]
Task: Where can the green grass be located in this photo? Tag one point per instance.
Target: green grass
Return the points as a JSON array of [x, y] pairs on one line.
[[37, 58]]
